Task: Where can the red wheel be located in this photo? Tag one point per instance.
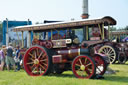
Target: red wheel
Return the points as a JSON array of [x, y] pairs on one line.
[[37, 61], [84, 67], [101, 64]]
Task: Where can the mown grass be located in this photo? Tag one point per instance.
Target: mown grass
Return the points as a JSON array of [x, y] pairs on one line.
[[67, 78]]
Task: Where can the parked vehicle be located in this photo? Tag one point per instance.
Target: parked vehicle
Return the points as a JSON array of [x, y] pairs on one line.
[[62, 46], [122, 45]]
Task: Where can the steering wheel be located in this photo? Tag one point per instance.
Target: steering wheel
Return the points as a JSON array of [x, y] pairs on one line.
[[84, 45]]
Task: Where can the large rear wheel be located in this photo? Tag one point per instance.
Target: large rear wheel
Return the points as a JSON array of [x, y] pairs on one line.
[[84, 67], [108, 51], [37, 61]]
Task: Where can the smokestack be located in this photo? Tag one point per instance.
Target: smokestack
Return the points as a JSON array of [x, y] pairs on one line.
[[85, 9]]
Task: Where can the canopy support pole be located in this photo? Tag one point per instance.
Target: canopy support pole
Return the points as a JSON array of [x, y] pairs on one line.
[[86, 32], [109, 32], [18, 37], [29, 39], [102, 31], [22, 40]]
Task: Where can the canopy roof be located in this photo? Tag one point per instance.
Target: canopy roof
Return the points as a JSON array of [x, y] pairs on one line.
[[107, 20]]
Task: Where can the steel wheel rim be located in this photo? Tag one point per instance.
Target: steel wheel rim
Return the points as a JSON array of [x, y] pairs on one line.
[[36, 61], [100, 65], [122, 59], [108, 51], [83, 67]]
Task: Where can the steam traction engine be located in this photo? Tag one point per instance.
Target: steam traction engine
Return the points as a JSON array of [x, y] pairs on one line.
[[58, 47]]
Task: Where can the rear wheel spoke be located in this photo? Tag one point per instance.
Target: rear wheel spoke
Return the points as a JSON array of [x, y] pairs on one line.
[[43, 60], [45, 64], [34, 70], [31, 55], [30, 63], [40, 55], [37, 51], [35, 54], [42, 66]]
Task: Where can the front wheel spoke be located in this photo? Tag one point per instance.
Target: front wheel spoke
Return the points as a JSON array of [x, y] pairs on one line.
[[80, 61], [85, 60], [78, 70], [88, 65], [82, 73], [77, 65], [90, 70]]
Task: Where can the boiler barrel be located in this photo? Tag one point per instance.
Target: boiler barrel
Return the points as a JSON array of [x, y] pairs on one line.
[[71, 53]]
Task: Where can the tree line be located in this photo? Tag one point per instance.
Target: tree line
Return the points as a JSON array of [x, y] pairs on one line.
[[1, 32]]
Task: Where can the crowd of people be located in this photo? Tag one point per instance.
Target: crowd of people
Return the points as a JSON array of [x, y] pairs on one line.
[[10, 57]]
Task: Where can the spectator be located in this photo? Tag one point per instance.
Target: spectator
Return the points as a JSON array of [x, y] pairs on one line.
[[9, 57], [18, 57], [4, 49], [2, 57]]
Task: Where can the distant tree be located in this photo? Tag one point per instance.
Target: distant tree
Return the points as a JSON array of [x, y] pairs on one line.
[[126, 28], [38, 23], [1, 32], [113, 28]]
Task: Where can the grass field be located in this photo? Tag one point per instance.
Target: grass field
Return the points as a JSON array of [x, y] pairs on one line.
[[67, 78]]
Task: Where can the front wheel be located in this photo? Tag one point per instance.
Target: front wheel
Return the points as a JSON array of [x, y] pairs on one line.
[[84, 67]]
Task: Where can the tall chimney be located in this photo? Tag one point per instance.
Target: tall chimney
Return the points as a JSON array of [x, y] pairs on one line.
[[85, 9]]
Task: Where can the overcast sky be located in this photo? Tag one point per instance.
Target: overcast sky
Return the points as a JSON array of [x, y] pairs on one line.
[[64, 10]]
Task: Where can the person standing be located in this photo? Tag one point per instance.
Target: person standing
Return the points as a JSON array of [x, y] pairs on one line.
[[10, 57], [18, 57], [2, 57]]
